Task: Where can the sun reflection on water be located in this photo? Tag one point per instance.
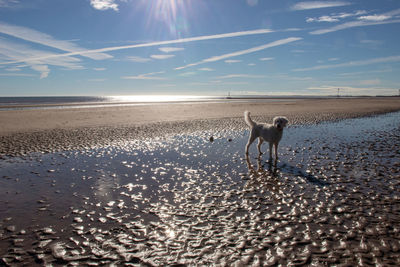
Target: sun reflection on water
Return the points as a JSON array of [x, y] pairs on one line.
[[170, 233], [157, 98]]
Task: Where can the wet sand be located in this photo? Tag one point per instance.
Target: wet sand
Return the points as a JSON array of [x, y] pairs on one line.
[[179, 199], [24, 131]]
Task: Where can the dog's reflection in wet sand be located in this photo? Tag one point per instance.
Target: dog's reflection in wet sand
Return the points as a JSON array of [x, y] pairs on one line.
[[261, 177]]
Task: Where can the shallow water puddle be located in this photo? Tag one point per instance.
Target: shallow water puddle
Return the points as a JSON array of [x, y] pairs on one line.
[[333, 198]]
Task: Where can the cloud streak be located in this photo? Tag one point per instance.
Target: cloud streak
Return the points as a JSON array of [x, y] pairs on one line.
[[249, 76], [318, 4], [230, 61], [242, 52], [352, 24], [266, 58], [353, 63], [170, 49], [146, 76], [161, 56], [385, 18], [17, 52], [8, 3], [138, 59], [34, 36], [169, 42], [335, 17]]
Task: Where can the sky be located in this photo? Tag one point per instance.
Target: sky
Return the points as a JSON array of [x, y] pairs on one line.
[[199, 47]]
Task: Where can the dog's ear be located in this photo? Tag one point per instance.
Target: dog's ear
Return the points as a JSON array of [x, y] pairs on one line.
[[275, 121], [285, 121]]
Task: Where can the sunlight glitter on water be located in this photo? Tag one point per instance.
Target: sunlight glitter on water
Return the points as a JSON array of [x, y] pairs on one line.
[[157, 98], [333, 198]]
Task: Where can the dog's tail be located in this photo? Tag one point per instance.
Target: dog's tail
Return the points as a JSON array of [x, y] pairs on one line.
[[248, 120]]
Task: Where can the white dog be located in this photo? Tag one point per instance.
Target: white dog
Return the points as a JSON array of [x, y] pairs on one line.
[[272, 133]]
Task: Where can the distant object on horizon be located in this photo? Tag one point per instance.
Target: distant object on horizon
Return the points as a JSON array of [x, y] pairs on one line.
[[229, 96]]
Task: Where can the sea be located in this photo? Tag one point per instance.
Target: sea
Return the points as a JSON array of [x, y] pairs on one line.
[[61, 102]]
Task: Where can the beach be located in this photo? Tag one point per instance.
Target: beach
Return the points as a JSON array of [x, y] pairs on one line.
[[35, 130], [148, 186]]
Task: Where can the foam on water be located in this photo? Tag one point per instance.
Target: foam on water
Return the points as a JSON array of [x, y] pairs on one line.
[[333, 198]]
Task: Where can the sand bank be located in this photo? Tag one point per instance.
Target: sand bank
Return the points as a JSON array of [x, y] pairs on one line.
[[44, 130], [17, 121]]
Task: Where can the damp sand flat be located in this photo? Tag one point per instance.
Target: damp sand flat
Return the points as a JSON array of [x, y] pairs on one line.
[[333, 198], [44, 130]]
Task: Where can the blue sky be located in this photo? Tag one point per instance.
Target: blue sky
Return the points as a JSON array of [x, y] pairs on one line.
[[199, 47]]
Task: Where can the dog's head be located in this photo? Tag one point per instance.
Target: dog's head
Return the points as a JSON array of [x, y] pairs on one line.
[[280, 122]]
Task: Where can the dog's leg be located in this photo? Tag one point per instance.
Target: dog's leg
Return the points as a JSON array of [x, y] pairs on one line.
[[260, 141], [276, 151], [270, 150], [252, 137]]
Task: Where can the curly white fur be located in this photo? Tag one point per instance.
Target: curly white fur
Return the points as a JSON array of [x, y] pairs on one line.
[[272, 133]]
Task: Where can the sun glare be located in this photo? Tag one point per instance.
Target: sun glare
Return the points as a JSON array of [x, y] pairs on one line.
[[155, 98], [172, 13]]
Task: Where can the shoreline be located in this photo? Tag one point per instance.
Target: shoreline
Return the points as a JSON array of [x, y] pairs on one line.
[[55, 130]]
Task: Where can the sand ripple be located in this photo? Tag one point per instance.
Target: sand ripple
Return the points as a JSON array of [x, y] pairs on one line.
[[333, 199]]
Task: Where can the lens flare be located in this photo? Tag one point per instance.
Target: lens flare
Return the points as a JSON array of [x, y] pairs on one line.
[[173, 14]]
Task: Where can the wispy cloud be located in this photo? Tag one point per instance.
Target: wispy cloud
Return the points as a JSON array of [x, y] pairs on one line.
[[8, 3], [206, 69], [43, 69], [335, 17], [170, 49], [266, 58], [243, 52], [230, 61], [374, 17], [352, 24], [14, 69], [249, 76], [370, 82], [318, 4], [99, 69], [146, 76], [362, 21], [138, 59], [16, 75], [187, 74], [34, 36], [366, 72], [17, 52], [353, 63], [104, 4], [323, 19], [381, 17], [176, 41], [161, 56]]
